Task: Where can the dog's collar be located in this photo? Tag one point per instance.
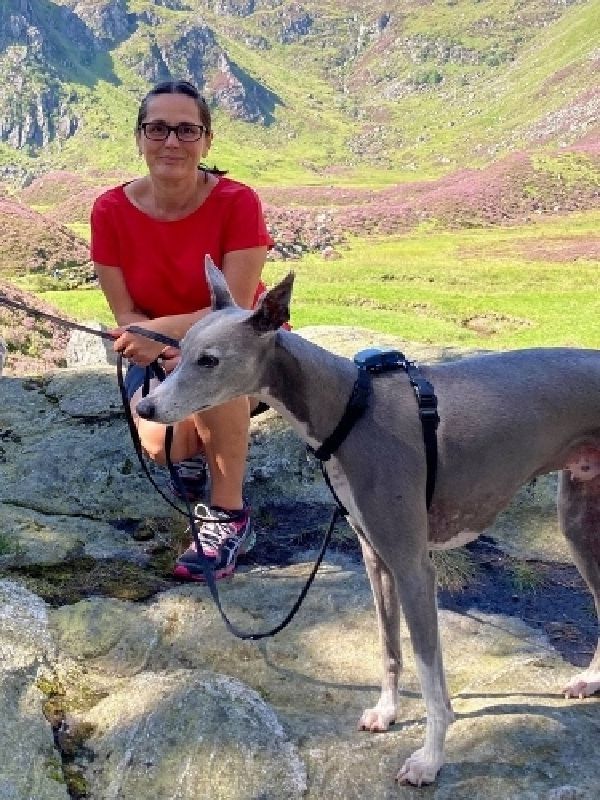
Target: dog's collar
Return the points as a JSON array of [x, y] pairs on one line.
[[355, 408]]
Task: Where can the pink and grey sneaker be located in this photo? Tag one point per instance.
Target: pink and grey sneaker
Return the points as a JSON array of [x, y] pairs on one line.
[[224, 535]]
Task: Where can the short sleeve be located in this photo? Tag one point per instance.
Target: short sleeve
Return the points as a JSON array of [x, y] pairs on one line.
[[245, 226], [104, 248]]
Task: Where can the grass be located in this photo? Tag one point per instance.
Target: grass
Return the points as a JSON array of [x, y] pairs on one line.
[[469, 288], [455, 569], [525, 577], [81, 304], [5, 544]]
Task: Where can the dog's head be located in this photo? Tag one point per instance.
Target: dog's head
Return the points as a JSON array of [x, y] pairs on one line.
[[222, 355]]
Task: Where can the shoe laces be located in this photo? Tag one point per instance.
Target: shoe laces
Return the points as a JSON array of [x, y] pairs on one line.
[[192, 468], [215, 525]]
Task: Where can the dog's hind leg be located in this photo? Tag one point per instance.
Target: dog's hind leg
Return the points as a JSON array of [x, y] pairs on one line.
[[579, 516], [387, 608]]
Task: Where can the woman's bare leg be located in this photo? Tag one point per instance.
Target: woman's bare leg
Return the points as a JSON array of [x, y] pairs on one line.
[[221, 433]]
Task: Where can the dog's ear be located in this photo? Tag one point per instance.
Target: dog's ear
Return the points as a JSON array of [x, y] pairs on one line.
[[220, 296], [273, 308]]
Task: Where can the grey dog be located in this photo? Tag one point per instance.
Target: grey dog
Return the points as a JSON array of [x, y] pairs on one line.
[[505, 418]]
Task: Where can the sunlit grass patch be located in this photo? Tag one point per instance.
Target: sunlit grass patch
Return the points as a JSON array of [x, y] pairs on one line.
[[525, 576], [470, 288], [430, 285], [81, 304]]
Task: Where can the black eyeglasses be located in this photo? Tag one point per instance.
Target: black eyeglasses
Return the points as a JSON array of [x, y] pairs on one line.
[[184, 131]]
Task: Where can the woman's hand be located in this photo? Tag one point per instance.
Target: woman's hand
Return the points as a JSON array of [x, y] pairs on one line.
[[140, 349], [169, 358]]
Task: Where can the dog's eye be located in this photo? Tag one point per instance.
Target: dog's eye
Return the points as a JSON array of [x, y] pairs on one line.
[[207, 361]]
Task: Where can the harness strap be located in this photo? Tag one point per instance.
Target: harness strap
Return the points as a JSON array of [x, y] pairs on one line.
[[357, 404], [428, 414], [355, 408]]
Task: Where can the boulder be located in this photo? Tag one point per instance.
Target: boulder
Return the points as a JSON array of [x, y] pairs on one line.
[[119, 682]]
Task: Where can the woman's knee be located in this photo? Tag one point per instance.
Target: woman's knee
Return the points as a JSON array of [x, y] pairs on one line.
[[152, 439], [185, 442]]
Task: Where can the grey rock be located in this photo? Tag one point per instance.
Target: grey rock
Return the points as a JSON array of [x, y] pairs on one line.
[[163, 690], [28, 762], [202, 734], [87, 350]]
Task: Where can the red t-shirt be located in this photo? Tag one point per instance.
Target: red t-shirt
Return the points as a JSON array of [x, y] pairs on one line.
[[163, 262]]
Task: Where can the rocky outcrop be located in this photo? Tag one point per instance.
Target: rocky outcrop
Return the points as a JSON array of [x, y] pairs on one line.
[[117, 682], [195, 52], [34, 107], [109, 20], [38, 116], [241, 96], [296, 23], [232, 8]]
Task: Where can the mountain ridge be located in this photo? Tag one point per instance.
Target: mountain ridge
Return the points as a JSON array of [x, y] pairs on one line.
[[414, 88]]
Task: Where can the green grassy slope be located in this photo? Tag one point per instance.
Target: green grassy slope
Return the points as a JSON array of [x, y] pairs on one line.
[[529, 285]]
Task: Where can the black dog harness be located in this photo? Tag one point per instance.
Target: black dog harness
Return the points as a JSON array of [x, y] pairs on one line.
[[374, 361]]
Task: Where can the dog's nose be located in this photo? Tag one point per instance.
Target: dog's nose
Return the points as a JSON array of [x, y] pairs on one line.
[[146, 409]]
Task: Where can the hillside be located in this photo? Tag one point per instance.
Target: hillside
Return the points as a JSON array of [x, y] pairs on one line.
[[310, 92], [354, 118]]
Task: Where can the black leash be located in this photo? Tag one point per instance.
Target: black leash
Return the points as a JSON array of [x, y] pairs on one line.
[[33, 312], [209, 575], [157, 371]]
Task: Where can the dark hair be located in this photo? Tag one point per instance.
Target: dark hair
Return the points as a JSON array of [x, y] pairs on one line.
[[188, 89]]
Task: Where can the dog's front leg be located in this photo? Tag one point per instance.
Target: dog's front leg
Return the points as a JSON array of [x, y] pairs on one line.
[[416, 584], [387, 608]]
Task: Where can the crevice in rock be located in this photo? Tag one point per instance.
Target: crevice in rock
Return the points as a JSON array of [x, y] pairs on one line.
[[45, 511], [71, 581], [69, 738]]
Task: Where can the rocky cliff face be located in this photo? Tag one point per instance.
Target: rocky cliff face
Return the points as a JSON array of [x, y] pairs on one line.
[[44, 45], [40, 43]]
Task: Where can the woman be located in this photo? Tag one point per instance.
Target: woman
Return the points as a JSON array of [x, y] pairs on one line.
[[149, 240]]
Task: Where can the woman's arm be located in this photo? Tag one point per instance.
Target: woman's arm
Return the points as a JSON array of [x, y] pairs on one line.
[[113, 287], [139, 349], [242, 270]]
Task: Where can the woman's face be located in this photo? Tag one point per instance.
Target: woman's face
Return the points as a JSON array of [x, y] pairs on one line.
[[172, 158]]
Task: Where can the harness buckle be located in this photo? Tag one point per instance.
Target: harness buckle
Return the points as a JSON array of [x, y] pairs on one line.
[[376, 360]]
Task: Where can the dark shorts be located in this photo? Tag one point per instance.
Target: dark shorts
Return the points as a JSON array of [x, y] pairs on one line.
[[134, 378]]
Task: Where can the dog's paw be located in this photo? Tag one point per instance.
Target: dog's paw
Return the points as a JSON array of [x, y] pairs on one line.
[[377, 719], [583, 685], [418, 769]]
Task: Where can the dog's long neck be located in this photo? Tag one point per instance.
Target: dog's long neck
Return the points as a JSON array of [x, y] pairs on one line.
[[308, 385]]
